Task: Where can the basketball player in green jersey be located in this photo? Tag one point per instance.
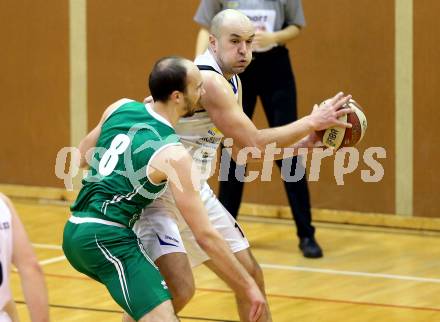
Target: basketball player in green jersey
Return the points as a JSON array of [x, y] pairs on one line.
[[137, 155]]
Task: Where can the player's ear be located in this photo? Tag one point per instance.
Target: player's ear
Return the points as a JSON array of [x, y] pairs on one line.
[[176, 96], [212, 42]]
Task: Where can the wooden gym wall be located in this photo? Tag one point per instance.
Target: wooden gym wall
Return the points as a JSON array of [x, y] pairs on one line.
[[34, 86], [348, 45], [426, 108], [342, 48]]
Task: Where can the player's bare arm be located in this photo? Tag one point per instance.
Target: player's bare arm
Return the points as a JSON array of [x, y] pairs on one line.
[[305, 145], [228, 116], [31, 275], [175, 164]]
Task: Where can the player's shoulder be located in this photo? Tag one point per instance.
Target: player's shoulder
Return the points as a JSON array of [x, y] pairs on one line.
[[113, 107], [172, 151], [6, 202], [208, 74], [214, 82], [4, 198]]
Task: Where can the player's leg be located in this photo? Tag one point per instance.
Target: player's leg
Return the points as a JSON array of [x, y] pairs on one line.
[[115, 257], [133, 280], [246, 258], [255, 270], [248, 261], [176, 270], [161, 313], [158, 231]]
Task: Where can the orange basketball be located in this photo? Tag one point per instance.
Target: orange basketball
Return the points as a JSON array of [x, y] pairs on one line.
[[339, 137]]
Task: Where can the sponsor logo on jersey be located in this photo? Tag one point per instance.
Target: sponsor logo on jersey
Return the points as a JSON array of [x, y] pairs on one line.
[[214, 131], [211, 139]]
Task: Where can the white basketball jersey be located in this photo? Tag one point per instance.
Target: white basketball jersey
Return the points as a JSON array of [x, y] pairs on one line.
[[5, 252], [197, 133]]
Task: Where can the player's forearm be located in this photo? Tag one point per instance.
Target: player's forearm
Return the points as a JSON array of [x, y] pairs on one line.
[[285, 136], [220, 254], [302, 147], [284, 35], [35, 292], [273, 153], [276, 143]]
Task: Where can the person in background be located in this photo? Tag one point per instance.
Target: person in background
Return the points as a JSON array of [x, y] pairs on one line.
[[16, 248]]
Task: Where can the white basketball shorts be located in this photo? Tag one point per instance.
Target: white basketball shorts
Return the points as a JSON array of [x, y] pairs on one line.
[[162, 229]]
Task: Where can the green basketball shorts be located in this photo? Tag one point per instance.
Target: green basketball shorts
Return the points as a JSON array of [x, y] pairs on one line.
[[113, 255]]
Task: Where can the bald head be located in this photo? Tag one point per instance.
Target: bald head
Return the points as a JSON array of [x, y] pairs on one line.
[[228, 17]]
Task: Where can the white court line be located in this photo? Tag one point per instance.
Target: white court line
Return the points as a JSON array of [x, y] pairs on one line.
[[52, 260], [349, 273], [47, 246], [284, 267]]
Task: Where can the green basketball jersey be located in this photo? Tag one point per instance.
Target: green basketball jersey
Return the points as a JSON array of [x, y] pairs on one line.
[[117, 186]]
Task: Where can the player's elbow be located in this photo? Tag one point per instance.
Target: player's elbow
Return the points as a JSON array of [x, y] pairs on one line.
[[82, 162]]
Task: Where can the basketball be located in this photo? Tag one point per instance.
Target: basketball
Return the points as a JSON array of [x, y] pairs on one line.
[[339, 137]]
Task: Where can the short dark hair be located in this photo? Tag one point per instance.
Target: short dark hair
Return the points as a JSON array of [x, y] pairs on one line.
[[168, 75]]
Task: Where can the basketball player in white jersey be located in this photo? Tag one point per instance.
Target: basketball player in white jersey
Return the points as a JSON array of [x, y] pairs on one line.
[[15, 248], [165, 235]]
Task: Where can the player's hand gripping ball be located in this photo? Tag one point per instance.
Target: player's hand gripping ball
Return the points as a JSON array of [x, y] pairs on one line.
[[339, 137]]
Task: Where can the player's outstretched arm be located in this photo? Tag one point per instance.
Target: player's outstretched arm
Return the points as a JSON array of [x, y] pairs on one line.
[[230, 119], [31, 275], [176, 163]]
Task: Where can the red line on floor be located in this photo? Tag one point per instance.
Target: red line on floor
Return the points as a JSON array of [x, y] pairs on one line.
[[316, 299], [291, 297]]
